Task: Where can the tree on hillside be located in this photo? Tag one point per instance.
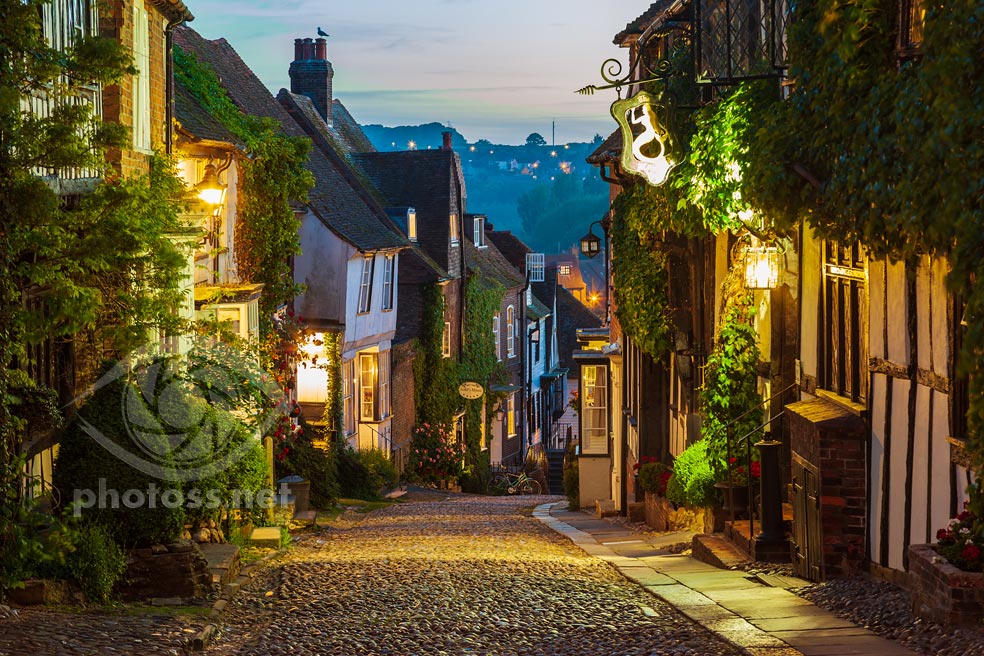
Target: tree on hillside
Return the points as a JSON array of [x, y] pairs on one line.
[[560, 211], [536, 139]]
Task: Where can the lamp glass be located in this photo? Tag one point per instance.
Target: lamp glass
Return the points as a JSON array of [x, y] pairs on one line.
[[590, 244], [761, 267]]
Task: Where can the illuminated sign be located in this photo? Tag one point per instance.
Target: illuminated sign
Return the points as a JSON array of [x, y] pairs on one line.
[[648, 147]]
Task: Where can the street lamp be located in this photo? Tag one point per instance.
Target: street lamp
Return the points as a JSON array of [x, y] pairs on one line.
[[761, 266], [591, 245], [210, 189]]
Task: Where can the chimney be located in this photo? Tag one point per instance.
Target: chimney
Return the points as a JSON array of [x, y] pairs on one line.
[[311, 74], [447, 141]]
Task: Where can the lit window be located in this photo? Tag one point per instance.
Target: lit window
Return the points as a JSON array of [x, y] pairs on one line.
[[511, 415], [446, 340], [348, 405], [384, 408], [455, 235], [367, 386], [141, 80], [388, 267], [495, 335], [510, 332], [365, 288], [594, 409], [564, 269], [412, 224]]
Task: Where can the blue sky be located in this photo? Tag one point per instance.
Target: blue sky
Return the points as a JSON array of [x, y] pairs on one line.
[[493, 69]]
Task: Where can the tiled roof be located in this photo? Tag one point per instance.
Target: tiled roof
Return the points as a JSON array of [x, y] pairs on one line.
[[492, 265], [610, 149], [639, 25], [537, 309], [337, 200], [571, 315], [510, 246], [348, 130], [197, 122]]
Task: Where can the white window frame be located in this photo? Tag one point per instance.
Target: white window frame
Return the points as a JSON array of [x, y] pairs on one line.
[[140, 127], [348, 398], [453, 228], [511, 332], [365, 285], [478, 229], [535, 266], [412, 224], [594, 409], [368, 389], [389, 267], [496, 322], [384, 408]]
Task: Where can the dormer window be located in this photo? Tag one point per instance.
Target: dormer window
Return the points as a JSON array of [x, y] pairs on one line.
[[479, 228], [453, 228], [411, 224]]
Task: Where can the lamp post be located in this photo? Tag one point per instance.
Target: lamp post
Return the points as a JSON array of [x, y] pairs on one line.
[[591, 245]]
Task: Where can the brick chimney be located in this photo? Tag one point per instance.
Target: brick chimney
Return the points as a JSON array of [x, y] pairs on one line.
[[447, 141], [311, 74]]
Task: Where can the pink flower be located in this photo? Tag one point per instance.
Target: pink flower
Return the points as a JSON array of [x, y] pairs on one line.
[[971, 552]]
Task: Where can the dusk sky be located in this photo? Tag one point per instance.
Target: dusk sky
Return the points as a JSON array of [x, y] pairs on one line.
[[497, 69]]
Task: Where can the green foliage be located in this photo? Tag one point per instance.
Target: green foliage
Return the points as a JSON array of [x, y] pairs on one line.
[[271, 180], [535, 139], [654, 477], [97, 563], [572, 483], [363, 474], [692, 483], [639, 273], [731, 386], [314, 465], [434, 454], [435, 377]]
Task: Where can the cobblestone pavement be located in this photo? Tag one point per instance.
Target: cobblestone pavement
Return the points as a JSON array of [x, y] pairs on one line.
[[47, 633], [467, 575]]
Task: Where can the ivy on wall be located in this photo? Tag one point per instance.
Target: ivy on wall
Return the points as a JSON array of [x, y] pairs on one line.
[[271, 179], [888, 155], [435, 377]]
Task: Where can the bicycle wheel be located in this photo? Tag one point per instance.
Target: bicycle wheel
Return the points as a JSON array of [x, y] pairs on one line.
[[498, 485], [530, 486]]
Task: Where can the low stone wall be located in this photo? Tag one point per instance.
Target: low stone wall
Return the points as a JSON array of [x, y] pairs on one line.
[[942, 593], [662, 516], [174, 570]]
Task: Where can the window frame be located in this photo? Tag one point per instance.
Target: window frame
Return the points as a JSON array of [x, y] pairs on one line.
[[842, 330], [511, 415], [511, 332], [372, 388], [594, 410], [446, 340], [412, 224], [140, 130], [478, 230], [389, 271], [365, 284], [453, 228], [348, 397], [496, 327]]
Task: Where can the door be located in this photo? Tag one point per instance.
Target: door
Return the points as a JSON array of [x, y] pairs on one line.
[[807, 538]]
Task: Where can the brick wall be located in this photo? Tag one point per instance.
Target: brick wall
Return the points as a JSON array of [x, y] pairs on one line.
[[833, 440], [404, 407], [942, 593]]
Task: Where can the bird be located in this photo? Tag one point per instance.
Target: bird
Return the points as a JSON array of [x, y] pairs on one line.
[[321, 32]]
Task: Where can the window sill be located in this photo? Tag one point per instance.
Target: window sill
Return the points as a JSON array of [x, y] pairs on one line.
[[843, 402]]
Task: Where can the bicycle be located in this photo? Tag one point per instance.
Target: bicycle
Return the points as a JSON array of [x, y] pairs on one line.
[[506, 483]]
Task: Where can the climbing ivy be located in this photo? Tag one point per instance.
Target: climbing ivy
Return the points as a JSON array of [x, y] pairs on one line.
[[272, 178], [435, 376], [884, 154]]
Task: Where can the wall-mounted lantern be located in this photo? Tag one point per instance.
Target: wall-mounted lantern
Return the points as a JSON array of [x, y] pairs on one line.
[[590, 243], [761, 266]]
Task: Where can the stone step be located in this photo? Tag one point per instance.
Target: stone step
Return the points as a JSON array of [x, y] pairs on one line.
[[266, 536], [714, 549]]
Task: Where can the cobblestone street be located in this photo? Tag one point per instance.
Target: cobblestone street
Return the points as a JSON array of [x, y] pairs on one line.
[[467, 575]]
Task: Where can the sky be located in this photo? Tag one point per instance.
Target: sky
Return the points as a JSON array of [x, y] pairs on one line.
[[492, 69]]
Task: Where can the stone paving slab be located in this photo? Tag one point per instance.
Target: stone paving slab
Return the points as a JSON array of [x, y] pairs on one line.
[[761, 620]]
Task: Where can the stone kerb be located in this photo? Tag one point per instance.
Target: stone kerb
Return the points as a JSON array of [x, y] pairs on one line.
[[943, 593]]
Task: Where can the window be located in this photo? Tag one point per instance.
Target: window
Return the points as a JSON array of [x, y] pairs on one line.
[[564, 269], [367, 386], [412, 224], [384, 409], [594, 409], [534, 266], [912, 16], [495, 336], [455, 235], [446, 340], [365, 288], [348, 405], [511, 415], [510, 332], [843, 356], [479, 229], [141, 80], [388, 268]]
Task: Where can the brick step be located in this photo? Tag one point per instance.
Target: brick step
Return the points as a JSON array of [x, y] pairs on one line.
[[714, 549]]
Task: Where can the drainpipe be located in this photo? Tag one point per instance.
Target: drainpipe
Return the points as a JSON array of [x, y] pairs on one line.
[[169, 83]]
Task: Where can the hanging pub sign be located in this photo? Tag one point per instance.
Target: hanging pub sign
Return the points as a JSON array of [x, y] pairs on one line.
[[648, 147]]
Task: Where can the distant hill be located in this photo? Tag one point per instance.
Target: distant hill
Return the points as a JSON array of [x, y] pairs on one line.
[[428, 135]]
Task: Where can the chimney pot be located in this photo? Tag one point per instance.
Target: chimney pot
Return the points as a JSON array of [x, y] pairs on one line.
[[321, 49], [308, 48], [447, 140], [298, 49]]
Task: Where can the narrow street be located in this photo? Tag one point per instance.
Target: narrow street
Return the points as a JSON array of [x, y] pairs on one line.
[[463, 575]]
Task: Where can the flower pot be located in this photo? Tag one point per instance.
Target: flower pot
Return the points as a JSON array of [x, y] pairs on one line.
[[733, 494], [942, 593]]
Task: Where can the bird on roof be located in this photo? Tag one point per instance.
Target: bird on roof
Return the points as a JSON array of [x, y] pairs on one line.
[[321, 32]]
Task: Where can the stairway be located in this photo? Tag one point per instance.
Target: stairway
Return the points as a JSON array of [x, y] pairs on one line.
[[555, 471]]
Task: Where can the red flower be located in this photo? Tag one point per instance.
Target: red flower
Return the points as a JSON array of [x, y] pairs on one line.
[[756, 469], [942, 534], [965, 515], [971, 552]]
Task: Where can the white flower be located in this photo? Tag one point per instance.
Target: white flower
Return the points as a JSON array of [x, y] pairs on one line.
[[969, 542], [964, 531]]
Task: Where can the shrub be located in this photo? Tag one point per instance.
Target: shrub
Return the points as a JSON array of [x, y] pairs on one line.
[[434, 454], [318, 467], [85, 464], [572, 484], [98, 563], [362, 474], [692, 483], [654, 477]]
